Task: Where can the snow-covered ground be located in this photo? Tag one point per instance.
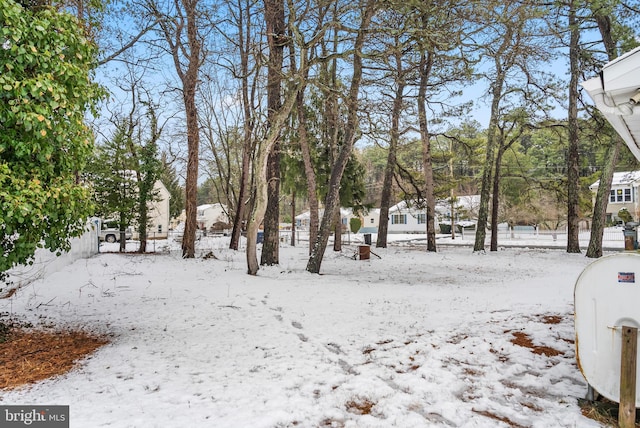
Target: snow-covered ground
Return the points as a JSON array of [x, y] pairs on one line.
[[410, 339]]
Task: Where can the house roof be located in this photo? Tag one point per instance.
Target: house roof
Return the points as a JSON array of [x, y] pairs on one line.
[[404, 206], [344, 212], [620, 179], [616, 93], [466, 202]]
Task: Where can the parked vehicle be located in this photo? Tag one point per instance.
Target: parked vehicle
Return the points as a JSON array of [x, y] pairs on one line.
[[111, 234]]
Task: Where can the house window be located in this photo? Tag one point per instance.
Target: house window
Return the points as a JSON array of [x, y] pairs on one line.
[[372, 221], [159, 228], [399, 219], [620, 195], [422, 218]]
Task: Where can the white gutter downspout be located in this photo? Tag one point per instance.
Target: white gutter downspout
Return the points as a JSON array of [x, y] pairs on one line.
[[614, 114]]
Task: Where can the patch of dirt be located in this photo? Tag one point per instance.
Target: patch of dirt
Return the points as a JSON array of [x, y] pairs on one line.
[[360, 406], [368, 350], [498, 418], [28, 356], [551, 319], [523, 339]]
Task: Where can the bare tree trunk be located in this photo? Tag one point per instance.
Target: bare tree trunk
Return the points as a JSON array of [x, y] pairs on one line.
[[123, 236], [133, 151], [271, 244], [350, 133], [487, 170], [502, 147], [426, 64], [594, 250], [573, 174], [333, 134], [390, 168], [497, 87], [243, 193], [293, 219], [187, 60], [337, 231], [312, 186], [248, 143], [260, 202], [277, 40], [191, 182], [495, 200], [383, 222]]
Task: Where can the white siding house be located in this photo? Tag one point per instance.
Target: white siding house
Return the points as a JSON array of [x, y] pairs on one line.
[[624, 194], [159, 218], [159, 213], [370, 221], [302, 220], [405, 218], [465, 207], [210, 214]]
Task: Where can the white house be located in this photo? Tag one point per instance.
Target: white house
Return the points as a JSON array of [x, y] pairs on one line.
[[303, 220], [624, 193], [370, 221], [465, 207], [407, 218], [159, 217], [160, 212], [209, 214]]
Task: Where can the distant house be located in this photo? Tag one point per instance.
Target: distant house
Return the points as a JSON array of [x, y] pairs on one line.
[[465, 208], [407, 218], [159, 218], [210, 214], [370, 221], [624, 194], [302, 220], [160, 213]]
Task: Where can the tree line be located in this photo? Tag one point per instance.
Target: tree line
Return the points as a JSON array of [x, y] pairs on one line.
[[272, 97]]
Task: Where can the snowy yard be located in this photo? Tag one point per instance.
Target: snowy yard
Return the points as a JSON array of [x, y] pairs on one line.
[[409, 340]]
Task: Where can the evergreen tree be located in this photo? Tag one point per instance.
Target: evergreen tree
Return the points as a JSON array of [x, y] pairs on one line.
[[111, 174], [170, 179]]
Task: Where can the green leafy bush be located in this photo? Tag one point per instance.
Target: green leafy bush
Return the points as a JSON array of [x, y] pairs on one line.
[[46, 88]]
